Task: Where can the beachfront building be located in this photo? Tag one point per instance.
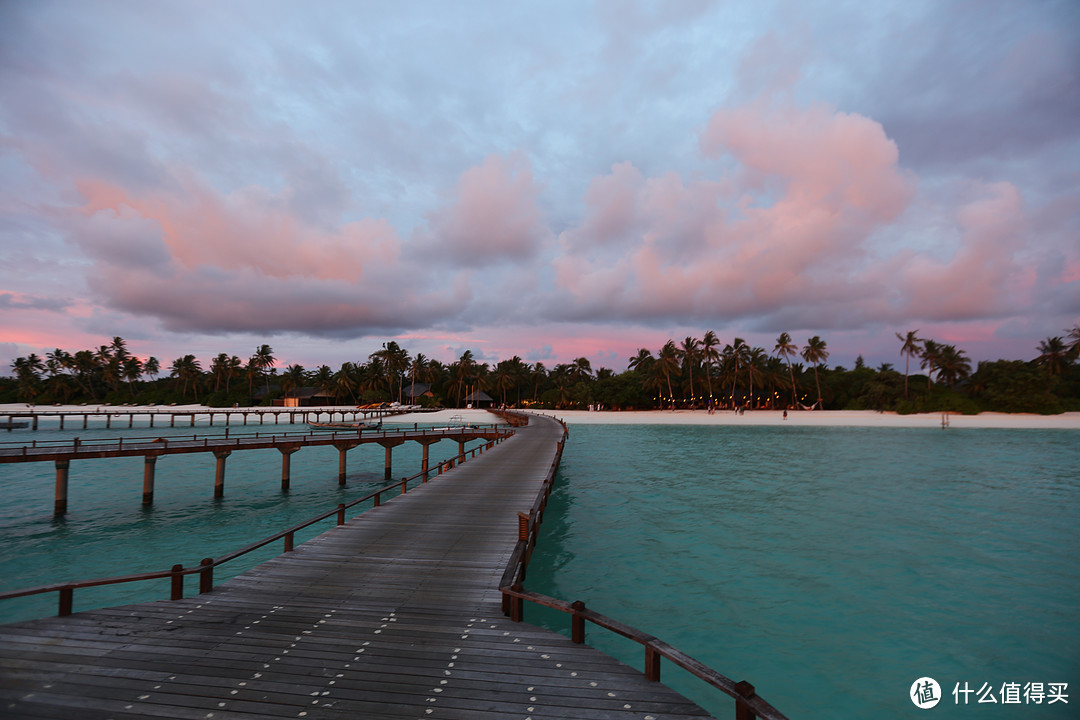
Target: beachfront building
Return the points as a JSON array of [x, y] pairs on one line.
[[479, 399]]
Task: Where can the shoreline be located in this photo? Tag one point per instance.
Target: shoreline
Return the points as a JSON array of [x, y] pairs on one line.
[[823, 418], [797, 418]]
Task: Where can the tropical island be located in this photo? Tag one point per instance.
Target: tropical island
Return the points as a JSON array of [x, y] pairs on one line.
[[696, 373]]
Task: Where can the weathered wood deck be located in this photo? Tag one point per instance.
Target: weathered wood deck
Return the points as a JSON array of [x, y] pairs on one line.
[[395, 614]]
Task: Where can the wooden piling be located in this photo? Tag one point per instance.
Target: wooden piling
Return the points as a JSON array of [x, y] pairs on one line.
[[219, 474], [286, 464], [343, 447], [60, 506], [149, 463]]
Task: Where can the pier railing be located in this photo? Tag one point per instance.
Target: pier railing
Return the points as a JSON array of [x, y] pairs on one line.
[[205, 569], [748, 705], [21, 450]]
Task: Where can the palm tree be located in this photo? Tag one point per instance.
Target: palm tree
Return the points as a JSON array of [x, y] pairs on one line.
[[107, 366], [187, 371], [1053, 354], [416, 367], [538, 374], [261, 361], [709, 354], [815, 352], [343, 382], [1074, 341], [690, 352], [642, 361], [152, 367], [735, 357], [323, 379], [28, 370], [755, 369], [581, 370], [395, 360], [953, 365], [86, 368], [219, 367], [131, 371], [519, 372], [786, 349], [909, 349], [931, 355], [292, 379], [503, 379], [232, 367], [463, 371], [667, 364]]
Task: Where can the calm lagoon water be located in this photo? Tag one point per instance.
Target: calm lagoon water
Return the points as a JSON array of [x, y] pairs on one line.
[[829, 567], [107, 532]]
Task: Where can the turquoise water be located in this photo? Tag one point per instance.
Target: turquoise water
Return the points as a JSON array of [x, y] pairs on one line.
[[829, 567], [107, 532]]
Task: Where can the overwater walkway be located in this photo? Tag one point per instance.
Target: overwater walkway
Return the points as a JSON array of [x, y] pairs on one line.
[[396, 614]]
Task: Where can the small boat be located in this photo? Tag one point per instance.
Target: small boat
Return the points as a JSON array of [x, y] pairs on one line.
[[345, 425]]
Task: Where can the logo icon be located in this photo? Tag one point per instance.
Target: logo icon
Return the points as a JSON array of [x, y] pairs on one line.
[[925, 693]]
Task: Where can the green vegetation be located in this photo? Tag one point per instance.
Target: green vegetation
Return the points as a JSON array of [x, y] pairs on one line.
[[694, 373]]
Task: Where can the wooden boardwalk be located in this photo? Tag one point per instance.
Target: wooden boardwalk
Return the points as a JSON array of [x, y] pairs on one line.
[[395, 614]]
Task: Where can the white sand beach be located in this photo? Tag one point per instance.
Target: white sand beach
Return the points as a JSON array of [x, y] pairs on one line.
[[813, 418], [816, 418], [824, 418]]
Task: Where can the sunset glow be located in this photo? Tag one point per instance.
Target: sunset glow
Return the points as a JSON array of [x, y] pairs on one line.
[[552, 182]]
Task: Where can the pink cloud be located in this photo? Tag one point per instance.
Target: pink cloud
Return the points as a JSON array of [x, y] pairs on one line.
[[199, 260], [492, 216], [792, 224], [984, 275], [249, 229]]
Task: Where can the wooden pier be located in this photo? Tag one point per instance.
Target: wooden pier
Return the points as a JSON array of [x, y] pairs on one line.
[[396, 613], [62, 452], [118, 414]]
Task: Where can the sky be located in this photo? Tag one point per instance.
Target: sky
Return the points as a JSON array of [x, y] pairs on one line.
[[551, 179]]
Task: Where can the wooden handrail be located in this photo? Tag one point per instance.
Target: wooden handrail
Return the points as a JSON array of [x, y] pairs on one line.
[[95, 444], [206, 567], [748, 705]]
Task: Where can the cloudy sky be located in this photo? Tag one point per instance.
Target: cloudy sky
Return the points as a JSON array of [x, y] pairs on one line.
[[546, 179]]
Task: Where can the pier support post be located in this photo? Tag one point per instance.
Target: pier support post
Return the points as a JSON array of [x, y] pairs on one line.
[[343, 447], [286, 464], [389, 444], [219, 474], [60, 506], [84, 419], [461, 451], [61, 422], [149, 464], [424, 462]]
